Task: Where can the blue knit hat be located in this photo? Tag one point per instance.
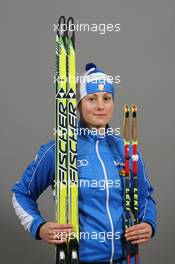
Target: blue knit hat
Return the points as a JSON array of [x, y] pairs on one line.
[[94, 80]]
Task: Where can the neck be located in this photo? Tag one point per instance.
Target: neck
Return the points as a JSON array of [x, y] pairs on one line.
[[99, 129]]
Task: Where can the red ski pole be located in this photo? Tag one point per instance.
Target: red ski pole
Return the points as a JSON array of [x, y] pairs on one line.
[[135, 172], [127, 175]]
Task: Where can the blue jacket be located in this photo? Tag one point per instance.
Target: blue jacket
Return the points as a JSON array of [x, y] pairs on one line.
[[101, 193]]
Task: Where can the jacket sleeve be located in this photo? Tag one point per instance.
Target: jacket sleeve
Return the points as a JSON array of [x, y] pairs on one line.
[[38, 175], [147, 205]]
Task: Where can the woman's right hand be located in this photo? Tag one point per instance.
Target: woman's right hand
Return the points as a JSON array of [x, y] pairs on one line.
[[54, 233]]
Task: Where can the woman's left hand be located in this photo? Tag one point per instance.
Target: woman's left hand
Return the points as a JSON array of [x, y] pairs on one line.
[[139, 233]]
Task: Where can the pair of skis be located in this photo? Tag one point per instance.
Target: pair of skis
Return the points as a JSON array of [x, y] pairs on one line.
[[66, 174], [134, 142]]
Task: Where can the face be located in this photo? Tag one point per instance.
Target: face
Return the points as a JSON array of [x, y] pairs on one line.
[[96, 109]]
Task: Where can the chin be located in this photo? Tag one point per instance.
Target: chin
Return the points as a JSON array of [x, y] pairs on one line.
[[99, 124]]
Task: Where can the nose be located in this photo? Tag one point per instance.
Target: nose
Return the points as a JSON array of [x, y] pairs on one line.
[[100, 105]]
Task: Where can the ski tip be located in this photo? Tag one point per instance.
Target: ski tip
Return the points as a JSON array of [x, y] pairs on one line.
[[61, 26], [70, 26], [90, 66], [71, 29], [70, 20], [62, 20]]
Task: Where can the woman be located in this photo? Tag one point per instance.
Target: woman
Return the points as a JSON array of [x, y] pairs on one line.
[[101, 202]]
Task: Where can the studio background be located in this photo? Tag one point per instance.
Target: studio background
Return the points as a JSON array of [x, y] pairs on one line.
[[142, 53]]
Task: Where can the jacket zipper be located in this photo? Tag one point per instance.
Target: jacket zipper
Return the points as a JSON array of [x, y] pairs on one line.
[[107, 197]]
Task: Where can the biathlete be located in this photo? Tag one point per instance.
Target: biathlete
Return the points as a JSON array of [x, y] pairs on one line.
[[100, 160]]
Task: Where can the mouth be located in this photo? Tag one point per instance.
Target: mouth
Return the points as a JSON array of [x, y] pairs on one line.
[[99, 115]]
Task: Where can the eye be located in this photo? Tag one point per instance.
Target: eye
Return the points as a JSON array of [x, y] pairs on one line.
[[107, 98], [91, 99]]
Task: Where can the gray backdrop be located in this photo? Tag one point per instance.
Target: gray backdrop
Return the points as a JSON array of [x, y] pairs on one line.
[[142, 53]]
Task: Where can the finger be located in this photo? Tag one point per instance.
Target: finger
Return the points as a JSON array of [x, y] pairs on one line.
[[62, 226], [135, 227], [52, 232], [136, 237], [139, 241], [59, 231], [60, 236], [137, 232], [56, 241]]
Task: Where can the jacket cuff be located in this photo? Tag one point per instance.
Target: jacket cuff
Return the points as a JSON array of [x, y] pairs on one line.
[[152, 225], [35, 225], [37, 237]]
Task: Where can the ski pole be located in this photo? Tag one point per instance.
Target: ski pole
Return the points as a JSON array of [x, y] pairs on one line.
[[127, 175], [134, 133]]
